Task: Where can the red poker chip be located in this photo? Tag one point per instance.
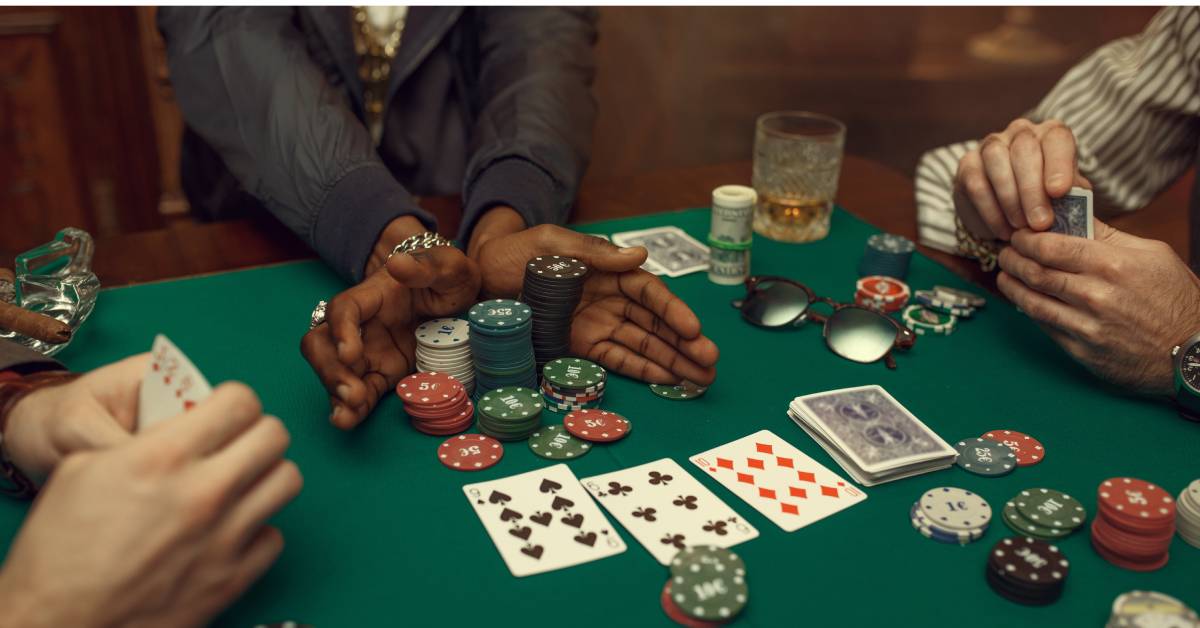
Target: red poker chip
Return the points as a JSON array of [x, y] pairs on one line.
[[1136, 500], [598, 426], [887, 289], [1029, 450], [1128, 545], [430, 388], [470, 452], [1124, 563], [675, 614], [440, 412]]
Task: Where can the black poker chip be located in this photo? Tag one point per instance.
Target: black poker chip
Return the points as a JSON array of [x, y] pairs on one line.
[[1027, 571], [553, 286]]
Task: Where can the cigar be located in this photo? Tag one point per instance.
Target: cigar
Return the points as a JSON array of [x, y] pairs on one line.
[[32, 324]]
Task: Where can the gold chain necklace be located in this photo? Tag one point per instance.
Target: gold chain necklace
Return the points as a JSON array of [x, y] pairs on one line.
[[376, 50]]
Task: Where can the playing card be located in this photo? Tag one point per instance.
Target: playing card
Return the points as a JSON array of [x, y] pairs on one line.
[[666, 509], [543, 520], [778, 480], [1073, 213], [171, 385], [872, 429], [670, 249]]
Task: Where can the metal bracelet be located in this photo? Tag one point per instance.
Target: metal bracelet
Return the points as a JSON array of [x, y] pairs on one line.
[[425, 240], [318, 315]]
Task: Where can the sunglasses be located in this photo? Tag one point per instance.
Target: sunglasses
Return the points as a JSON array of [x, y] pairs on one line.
[[852, 331]]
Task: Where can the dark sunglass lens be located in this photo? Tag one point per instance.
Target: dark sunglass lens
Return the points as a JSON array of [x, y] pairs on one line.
[[859, 335], [775, 304]]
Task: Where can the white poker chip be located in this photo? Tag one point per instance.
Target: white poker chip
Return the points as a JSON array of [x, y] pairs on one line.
[[444, 332], [955, 508]]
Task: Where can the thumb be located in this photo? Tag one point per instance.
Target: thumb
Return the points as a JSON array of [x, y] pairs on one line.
[[98, 430], [1110, 235], [596, 252]]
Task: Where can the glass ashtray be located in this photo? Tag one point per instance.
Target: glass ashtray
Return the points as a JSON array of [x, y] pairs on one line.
[[54, 279]]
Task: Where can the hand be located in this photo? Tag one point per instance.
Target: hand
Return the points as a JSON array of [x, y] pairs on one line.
[[1117, 304], [1006, 184], [366, 345], [95, 411], [165, 529], [627, 319]]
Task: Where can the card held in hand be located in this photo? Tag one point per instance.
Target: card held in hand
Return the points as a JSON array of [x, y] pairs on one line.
[[171, 386], [543, 520], [778, 480], [1073, 213], [666, 509], [671, 251]]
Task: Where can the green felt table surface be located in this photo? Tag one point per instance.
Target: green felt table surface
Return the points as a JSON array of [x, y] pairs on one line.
[[382, 534]]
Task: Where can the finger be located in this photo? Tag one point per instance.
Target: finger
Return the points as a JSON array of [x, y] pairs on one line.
[[596, 252], [273, 490], [1075, 289], [700, 350], [651, 293], [652, 347], [1058, 152], [439, 267], [1042, 308], [246, 458], [345, 316], [117, 386], [228, 411], [345, 387], [619, 359], [260, 553], [83, 435], [1060, 251], [997, 164], [1027, 168], [971, 183]]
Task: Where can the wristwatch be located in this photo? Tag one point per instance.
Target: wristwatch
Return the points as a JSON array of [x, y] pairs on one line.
[[1186, 357]]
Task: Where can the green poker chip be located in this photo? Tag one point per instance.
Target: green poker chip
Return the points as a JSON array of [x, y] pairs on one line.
[[555, 443], [499, 314], [682, 392], [985, 457], [513, 404], [1050, 508], [707, 585], [1019, 524], [923, 320], [574, 373]]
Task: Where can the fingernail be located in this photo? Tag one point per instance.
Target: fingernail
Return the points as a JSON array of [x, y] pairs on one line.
[[627, 250], [341, 348], [333, 415], [1055, 179], [1040, 215], [343, 391]]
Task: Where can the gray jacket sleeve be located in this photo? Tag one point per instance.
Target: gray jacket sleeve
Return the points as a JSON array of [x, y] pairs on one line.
[[246, 84], [530, 143]]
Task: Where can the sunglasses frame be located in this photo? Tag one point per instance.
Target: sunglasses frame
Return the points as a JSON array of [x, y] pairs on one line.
[[904, 340]]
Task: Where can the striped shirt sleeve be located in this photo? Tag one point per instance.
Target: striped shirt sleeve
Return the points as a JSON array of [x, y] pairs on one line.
[[1133, 106]]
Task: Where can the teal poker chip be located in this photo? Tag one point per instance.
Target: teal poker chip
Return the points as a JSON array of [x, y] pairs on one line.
[[555, 443], [1050, 508], [1019, 524], [985, 457], [574, 373], [709, 591], [707, 557], [499, 314], [511, 404], [681, 392]]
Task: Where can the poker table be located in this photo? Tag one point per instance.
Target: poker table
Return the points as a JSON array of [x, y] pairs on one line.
[[383, 535]]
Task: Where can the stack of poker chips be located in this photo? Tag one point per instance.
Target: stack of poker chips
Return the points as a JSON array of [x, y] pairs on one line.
[[443, 346], [509, 414], [887, 255], [573, 384], [1027, 571], [707, 587], [1150, 608], [437, 403], [1044, 513], [1187, 523], [730, 235], [939, 310], [985, 457], [1134, 525], [951, 515], [923, 320], [552, 289], [501, 345], [883, 294]]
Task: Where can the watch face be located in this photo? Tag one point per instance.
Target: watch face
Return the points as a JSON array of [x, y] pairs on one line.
[[1189, 366]]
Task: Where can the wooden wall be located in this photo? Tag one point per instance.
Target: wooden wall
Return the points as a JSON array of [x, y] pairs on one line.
[[89, 134]]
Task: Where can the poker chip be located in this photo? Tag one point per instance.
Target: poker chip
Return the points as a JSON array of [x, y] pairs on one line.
[[501, 345], [597, 426], [436, 403], [1027, 571], [962, 297], [884, 294], [886, 255], [926, 321], [555, 443], [1024, 527], [678, 616], [573, 384], [707, 586], [955, 509], [1135, 523], [933, 531], [679, 392], [1028, 449], [510, 414], [1050, 508], [470, 452], [1187, 520], [1145, 609], [933, 301], [985, 457], [552, 287]]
